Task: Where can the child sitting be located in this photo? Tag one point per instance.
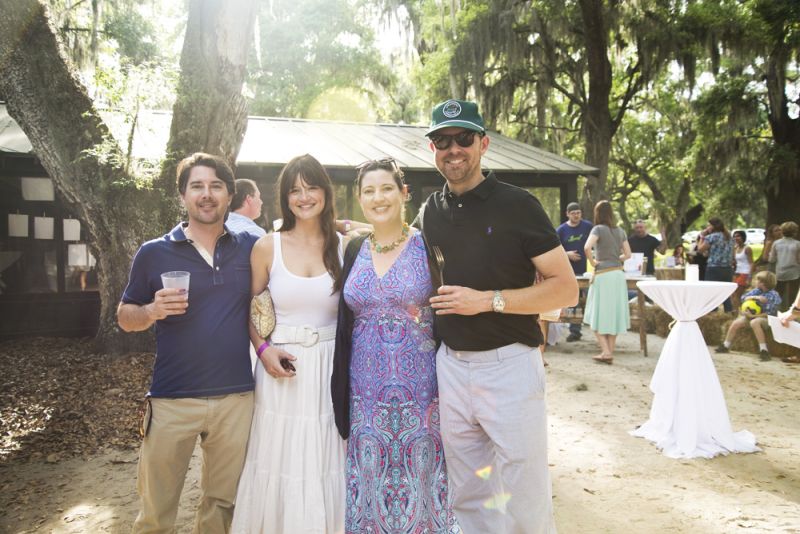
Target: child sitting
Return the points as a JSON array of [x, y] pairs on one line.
[[768, 299]]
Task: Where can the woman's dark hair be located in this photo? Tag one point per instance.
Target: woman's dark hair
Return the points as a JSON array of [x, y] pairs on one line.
[[604, 214], [385, 164], [308, 169], [718, 226]]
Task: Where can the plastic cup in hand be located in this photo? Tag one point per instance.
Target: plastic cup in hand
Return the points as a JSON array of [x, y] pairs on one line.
[[176, 280]]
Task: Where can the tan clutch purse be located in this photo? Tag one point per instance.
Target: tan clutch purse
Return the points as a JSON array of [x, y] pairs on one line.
[[262, 314]]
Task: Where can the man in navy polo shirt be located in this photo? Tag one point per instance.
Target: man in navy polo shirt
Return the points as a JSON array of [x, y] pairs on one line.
[[573, 235], [202, 380], [494, 237]]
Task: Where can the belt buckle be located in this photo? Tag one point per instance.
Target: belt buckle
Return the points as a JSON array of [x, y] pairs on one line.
[[310, 336]]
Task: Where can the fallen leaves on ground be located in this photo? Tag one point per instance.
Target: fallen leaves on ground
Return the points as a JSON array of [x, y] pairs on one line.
[[60, 399]]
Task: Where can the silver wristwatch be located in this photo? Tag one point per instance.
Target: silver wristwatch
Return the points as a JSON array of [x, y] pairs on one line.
[[498, 302]]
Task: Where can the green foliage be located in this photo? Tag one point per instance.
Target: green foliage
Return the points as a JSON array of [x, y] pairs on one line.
[[306, 48], [134, 35]]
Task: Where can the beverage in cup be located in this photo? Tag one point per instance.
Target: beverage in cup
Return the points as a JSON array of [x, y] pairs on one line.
[[176, 280]]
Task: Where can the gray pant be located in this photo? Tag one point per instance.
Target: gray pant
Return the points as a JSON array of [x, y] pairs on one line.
[[494, 429]]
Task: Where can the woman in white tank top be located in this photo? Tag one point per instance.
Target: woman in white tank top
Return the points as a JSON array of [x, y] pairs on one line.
[[293, 480], [743, 256]]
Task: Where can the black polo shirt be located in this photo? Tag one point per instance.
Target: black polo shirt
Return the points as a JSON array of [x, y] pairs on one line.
[[488, 236]]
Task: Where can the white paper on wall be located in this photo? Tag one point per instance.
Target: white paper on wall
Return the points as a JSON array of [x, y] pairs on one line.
[[38, 189], [72, 230], [43, 227], [78, 255], [17, 225]]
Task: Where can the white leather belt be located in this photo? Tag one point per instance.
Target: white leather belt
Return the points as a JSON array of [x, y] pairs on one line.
[[305, 335]]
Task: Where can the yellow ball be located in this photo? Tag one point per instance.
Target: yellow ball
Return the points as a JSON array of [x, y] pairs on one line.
[[751, 306]]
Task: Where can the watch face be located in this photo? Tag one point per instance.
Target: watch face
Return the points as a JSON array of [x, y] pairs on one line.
[[498, 302]]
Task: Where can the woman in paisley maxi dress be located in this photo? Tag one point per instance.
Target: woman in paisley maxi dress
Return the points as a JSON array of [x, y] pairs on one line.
[[396, 474]]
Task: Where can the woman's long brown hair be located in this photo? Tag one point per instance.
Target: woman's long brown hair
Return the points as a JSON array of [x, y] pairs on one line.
[[312, 172]]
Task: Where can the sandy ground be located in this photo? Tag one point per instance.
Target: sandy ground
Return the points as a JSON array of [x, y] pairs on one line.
[[604, 480]]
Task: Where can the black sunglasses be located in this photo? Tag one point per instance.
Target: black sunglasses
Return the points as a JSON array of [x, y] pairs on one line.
[[464, 139], [387, 164]]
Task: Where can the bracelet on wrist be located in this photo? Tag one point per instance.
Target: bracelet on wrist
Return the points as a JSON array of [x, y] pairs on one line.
[[261, 348]]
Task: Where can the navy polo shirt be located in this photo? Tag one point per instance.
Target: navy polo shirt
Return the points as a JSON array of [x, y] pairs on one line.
[[488, 236], [206, 351], [574, 238]]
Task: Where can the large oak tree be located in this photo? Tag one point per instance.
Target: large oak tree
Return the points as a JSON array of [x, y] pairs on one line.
[[119, 209]]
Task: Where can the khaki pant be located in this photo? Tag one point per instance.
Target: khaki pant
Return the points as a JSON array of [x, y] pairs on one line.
[[223, 424], [494, 431]]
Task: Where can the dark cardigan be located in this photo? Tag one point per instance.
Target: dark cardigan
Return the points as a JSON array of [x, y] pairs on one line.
[[340, 377]]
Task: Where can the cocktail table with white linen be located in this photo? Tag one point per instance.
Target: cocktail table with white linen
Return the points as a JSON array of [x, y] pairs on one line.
[[689, 417]]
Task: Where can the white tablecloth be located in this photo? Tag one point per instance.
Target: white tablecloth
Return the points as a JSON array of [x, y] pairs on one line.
[[689, 418]]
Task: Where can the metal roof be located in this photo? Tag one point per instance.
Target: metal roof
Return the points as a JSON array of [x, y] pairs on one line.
[[274, 141]]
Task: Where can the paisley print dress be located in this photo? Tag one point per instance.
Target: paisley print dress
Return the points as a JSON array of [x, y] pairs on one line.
[[396, 475]]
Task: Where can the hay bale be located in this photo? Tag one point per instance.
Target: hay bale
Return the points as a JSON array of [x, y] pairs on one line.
[[714, 326], [745, 341], [652, 316]]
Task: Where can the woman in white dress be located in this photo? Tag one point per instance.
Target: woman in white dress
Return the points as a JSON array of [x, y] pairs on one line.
[[293, 477]]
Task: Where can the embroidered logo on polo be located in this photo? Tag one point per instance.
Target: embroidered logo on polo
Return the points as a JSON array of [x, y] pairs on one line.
[[451, 109]]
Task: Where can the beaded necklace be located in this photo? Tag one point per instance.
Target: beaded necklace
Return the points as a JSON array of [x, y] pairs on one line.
[[383, 249]]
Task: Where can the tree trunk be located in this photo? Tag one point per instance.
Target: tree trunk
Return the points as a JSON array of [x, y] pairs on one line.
[[83, 159], [598, 127], [210, 112], [51, 106], [783, 174]]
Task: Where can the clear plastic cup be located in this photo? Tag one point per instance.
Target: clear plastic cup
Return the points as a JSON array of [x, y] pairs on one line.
[[176, 280]]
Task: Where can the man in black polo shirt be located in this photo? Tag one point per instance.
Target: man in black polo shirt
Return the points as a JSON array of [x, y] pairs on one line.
[[641, 241], [494, 237]]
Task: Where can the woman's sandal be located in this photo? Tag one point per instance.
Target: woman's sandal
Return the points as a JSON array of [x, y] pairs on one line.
[[791, 359], [600, 359]]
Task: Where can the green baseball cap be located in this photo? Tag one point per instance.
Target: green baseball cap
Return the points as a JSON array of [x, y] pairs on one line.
[[457, 114]]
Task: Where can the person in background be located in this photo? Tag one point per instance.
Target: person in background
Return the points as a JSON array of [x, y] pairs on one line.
[[792, 314], [642, 242], [768, 299], [202, 380], [679, 255], [246, 208], [743, 257], [785, 253], [573, 235], [716, 240], [772, 234], [607, 312]]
